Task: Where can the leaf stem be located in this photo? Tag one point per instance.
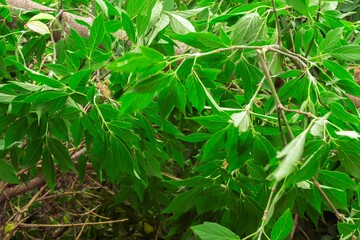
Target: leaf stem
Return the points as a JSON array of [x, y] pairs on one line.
[[277, 23], [278, 104], [338, 215]]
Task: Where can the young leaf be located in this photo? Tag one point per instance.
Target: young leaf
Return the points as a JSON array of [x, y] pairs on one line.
[[38, 27], [8, 172], [282, 227], [318, 128], [350, 134], [292, 153], [196, 137], [42, 16], [241, 120], [214, 231]]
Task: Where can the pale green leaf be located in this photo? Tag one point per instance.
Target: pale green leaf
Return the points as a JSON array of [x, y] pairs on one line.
[[42, 16], [292, 153], [214, 231], [38, 27]]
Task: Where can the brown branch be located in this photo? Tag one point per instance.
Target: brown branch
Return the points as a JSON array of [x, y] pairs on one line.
[[9, 193], [68, 19], [38, 181]]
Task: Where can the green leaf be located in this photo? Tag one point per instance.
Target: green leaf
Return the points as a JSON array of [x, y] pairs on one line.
[[38, 27], [8, 173], [283, 226], [6, 98], [48, 168], [213, 146], [201, 40], [119, 159], [340, 113], [196, 137], [214, 231], [79, 80], [331, 40], [318, 128], [358, 193], [183, 202], [128, 26], [77, 132], [349, 86], [241, 120], [153, 83], [133, 102], [42, 16], [38, 77], [338, 197], [347, 53], [292, 153], [59, 128], [195, 92], [60, 154], [251, 77], [16, 131], [33, 152], [302, 6], [249, 28], [179, 24], [97, 31], [339, 71], [336, 179], [135, 6], [348, 153], [262, 149]]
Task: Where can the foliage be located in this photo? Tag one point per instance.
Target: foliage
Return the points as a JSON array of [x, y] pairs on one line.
[[250, 127]]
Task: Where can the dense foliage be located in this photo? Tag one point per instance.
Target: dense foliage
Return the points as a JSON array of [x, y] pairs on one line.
[[203, 119]]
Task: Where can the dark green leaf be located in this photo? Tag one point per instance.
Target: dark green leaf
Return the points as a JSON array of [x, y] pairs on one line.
[[60, 154], [16, 131], [8, 173], [348, 152], [196, 137], [33, 152], [48, 169]]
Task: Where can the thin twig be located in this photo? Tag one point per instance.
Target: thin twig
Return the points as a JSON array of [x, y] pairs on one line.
[[277, 23], [338, 215], [35, 225]]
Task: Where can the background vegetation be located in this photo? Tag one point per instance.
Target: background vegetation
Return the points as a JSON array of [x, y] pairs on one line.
[[179, 119]]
